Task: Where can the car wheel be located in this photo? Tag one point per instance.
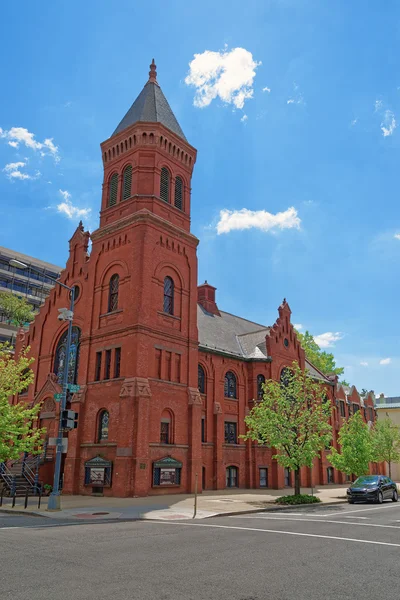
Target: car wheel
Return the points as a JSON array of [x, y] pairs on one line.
[[395, 496], [379, 498], [350, 501]]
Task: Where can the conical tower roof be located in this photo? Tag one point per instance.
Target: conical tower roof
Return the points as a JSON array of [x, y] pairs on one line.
[[151, 106]]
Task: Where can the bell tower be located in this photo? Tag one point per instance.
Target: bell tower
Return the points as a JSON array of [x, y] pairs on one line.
[[145, 297], [148, 162]]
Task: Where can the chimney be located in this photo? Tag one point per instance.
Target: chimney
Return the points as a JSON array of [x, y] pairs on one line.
[[206, 298]]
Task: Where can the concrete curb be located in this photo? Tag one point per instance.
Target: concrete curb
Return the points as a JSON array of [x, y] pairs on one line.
[[276, 508], [24, 511]]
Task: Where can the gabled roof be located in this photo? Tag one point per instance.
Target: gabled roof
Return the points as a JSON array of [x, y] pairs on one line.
[[151, 106], [231, 335]]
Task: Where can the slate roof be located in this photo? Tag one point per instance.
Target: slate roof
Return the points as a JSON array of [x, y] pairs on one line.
[[151, 106], [239, 337]]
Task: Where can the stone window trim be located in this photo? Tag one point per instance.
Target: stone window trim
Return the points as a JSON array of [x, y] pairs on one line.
[[165, 314]]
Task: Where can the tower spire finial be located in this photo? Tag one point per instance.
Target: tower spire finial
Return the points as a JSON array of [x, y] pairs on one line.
[[153, 72]]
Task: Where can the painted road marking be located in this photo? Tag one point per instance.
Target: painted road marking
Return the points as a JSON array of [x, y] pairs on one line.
[[317, 521], [276, 531], [349, 512]]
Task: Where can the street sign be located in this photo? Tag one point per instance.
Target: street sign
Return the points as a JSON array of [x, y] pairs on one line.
[[53, 442], [73, 387], [58, 397]]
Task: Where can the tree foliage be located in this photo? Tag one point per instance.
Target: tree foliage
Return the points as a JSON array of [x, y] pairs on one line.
[[16, 432], [355, 441], [386, 443], [16, 309], [293, 418], [324, 361]]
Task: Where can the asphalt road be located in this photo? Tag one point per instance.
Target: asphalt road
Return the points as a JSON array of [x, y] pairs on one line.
[[311, 553]]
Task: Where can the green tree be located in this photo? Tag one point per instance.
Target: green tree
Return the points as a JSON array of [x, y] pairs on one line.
[[292, 418], [386, 443], [324, 361], [16, 309], [355, 441], [16, 432]]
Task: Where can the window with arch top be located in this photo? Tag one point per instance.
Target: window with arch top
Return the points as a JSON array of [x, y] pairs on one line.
[[113, 291], [113, 190], [127, 183], [178, 201], [168, 296], [201, 380], [164, 184], [102, 433], [260, 389], [61, 356], [230, 386]]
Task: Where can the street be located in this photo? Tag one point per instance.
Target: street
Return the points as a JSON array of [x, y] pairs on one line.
[[307, 553]]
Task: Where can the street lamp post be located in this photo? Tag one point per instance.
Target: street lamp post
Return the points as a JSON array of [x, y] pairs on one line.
[[54, 502]]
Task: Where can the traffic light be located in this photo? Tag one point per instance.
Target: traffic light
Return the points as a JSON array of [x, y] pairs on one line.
[[69, 419]]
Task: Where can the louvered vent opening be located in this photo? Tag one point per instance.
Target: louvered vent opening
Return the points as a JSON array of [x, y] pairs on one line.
[[178, 193], [164, 185], [127, 183], [113, 190]]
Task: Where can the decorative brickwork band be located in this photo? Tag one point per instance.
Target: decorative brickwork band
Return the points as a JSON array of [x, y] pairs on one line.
[[134, 387], [194, 396]]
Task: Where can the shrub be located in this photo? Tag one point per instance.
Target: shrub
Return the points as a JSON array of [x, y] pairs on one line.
[[298, 499]]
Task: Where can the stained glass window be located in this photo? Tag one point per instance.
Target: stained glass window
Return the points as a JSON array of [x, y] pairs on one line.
[[201, 380], [260, 389], [230, 433], [168, 296], [164, 433], [230, 385], [103, 426], [113, 293], [61, 354]]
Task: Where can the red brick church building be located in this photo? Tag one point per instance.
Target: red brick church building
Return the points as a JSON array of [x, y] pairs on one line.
[[166, 377]]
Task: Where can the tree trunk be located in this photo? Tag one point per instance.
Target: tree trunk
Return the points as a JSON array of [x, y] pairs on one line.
[[390, 469], [297, 481]]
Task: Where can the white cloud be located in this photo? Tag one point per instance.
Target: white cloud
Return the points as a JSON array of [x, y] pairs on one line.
[[388, 124], [385, 361], [298, 326], [297, 97], [378, 105], [354, 121], [328, 339], [290, 101], [363, 363], [244, 118], [230, 220], [13, 171], [266, 89], [397, 236], [19, 135], [228, 75], [68, 209]]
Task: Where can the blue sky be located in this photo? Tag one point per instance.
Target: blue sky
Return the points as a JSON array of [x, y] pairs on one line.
[[297, 139]]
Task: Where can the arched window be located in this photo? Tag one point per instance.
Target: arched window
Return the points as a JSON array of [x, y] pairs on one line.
[[113, 190], [127, 182], [164, 184], [201, 380], [179, 193], [260, 389], [61, 356], [166, 433], [286, 375], [102, 433], [230, 386], [113, 293], [168, 296]]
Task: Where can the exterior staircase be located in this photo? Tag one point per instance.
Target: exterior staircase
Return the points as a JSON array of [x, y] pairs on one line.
[[21, 476]]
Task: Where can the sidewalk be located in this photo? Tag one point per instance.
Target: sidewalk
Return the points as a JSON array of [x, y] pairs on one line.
[[171, 507]]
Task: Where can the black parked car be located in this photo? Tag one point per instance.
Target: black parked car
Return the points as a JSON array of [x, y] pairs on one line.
[[372, 488]]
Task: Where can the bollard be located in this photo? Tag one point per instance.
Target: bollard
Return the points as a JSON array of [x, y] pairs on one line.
[[40, 498], [26, 498], [1, 497], [13, 502]]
